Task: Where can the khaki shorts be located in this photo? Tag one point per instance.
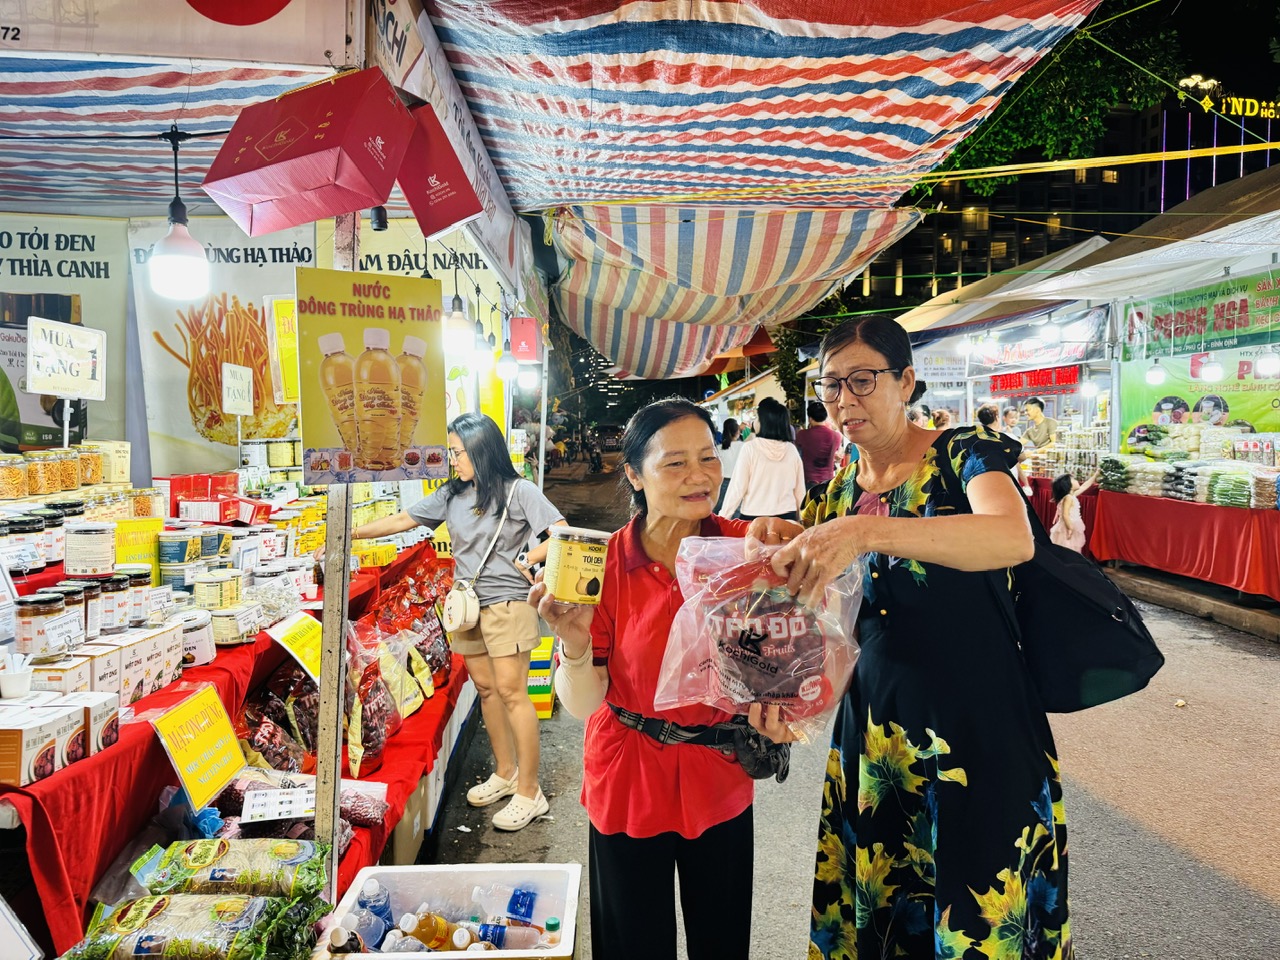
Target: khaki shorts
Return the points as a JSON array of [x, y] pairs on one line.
[[505, 629]]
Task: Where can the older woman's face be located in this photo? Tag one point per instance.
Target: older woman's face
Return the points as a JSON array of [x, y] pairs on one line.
[[880, 414], [680, 474]]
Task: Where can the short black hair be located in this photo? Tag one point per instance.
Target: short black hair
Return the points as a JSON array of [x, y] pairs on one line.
[[885, 336], [773, 420], [644, 423], [817, 412], [987, 414], [1061, 486], [1034, 400]]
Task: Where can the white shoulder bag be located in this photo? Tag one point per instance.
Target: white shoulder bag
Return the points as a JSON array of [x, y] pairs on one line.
[[461, 604]]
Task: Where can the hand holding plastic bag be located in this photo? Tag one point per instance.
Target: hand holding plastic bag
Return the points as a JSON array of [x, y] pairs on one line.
[[741, 638]]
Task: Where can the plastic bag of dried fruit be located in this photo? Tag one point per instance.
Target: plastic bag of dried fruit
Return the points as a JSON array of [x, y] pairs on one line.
[[372, 715], [741, 638]]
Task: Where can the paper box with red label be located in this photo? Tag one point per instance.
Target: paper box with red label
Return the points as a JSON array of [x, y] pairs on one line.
[[432, 179], [226, 510], [29, 749], [330, 148]]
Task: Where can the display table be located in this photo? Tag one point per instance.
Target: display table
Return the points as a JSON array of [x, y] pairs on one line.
[[1046, 508], [78, 820], [1229, 546]]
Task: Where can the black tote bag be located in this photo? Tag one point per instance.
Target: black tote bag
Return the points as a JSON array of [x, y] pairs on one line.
[[1083, 640]]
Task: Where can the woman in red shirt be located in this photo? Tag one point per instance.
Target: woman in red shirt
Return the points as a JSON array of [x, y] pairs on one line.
[[655, 808]]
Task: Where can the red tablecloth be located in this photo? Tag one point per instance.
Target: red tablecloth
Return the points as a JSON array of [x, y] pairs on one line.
[[1228, 546], [1046, 508], [79, 820]]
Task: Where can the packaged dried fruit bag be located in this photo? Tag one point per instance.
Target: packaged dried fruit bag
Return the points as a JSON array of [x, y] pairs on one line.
[[300, 697], [268, 868], [740, 638], [372, 720]]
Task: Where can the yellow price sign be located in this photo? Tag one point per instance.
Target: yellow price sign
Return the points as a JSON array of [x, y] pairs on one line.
[[300, 635], [201, 744]]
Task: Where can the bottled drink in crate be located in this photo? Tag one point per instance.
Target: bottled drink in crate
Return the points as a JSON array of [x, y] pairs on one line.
[[502, 936], [376, 898], [431, 928], [500, 901], [366, 924]]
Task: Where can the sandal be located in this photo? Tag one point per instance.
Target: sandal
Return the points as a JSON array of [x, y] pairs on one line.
[[491, 791], [520, 812]]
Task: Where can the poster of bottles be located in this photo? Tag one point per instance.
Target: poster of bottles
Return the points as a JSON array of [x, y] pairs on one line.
[[371, 377]]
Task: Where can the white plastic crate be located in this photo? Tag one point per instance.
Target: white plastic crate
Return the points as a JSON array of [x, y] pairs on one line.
[[452, 883]]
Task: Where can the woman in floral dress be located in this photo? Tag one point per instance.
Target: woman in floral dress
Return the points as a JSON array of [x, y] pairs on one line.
[[942, 833]]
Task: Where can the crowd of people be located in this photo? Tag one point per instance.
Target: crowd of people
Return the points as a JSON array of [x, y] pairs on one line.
[[942, 779]]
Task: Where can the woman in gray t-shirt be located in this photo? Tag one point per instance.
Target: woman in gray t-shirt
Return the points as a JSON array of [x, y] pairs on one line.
[[497, 649]]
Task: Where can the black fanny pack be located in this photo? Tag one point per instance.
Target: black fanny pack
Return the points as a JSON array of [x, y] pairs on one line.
[[759, 756]]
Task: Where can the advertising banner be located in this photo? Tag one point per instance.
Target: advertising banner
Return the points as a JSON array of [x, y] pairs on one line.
[[371, 377], [1234, 312], [72, 270], [401, 250], [262, 31], [66, 360], [1241, 397], [185, 343], [282, 340], [1076, 339]]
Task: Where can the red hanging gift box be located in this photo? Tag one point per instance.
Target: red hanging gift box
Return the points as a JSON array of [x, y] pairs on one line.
[[433, 180], [526, 340], [330, 148]]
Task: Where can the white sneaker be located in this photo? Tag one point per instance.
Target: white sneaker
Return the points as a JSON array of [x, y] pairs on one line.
[[520, 812], [491, 791]]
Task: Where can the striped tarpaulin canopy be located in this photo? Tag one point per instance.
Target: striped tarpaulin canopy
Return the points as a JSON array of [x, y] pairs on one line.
[[48, 108], [700, 118], [662, 290]]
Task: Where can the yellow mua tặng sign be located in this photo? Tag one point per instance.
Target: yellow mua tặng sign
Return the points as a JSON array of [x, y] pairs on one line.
[[201, 743]]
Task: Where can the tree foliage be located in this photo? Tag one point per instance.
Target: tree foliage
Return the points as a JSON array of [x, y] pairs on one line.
[[786, 367], [1058, 109]]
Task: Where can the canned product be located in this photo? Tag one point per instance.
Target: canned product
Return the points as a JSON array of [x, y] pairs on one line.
[[575, 564], [139, 575], [210, 542], [91, 549], [197, 638], [116, 603], [92, 605], [219, 589], [180, 546], [39, 622], [182, 576]]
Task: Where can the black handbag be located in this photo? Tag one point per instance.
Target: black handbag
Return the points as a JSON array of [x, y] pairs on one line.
[[1082, 639], [759, 756]]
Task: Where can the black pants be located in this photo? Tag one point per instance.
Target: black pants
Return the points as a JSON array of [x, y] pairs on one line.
[[633, 910]]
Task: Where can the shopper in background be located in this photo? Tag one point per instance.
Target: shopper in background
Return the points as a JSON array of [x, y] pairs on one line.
[[819, 446], [768, 479], [730, 446], [987, 416], [941, 832], [1068, 526], [655, 808], [1011, 423], [921, 415], [941, 419], [472, 505]]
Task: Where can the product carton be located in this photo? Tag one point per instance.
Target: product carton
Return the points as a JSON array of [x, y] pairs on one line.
[[101, 717], [104, 667], [40, 698], [156, 670], [68, 675], [133, 648], [29, 744], [169, 639], [116, 461]]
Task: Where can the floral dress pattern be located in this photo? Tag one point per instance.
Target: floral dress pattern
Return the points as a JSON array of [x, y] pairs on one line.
[[942, 833]]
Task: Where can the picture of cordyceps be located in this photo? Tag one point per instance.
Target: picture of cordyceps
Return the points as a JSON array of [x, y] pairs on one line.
[[214, 333]]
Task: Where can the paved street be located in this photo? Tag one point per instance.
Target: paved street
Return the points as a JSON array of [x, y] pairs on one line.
[[1175, 851]]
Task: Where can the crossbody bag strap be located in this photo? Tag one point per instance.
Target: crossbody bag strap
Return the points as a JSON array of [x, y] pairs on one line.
[[496, 534]]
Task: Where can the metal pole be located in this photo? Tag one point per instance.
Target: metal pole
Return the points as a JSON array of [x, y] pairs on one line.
[[337, 545], [239, 440], [66, 422], [542, 435]]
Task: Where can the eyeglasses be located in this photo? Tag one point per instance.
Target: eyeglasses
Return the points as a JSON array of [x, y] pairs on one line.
[[861, 383], [456, 455]]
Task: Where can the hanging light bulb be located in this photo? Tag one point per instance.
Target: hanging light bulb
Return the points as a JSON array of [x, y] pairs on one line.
[[1156, 373], [1268, 363], [178, 266], [528, 378], [1211, 371], [507, 367]]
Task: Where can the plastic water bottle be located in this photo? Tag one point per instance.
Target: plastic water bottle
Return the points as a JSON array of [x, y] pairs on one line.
[[376, 898], [342, 940], [407, 944], [431, 928], [367, 925], [512, 903], [504, 937]]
